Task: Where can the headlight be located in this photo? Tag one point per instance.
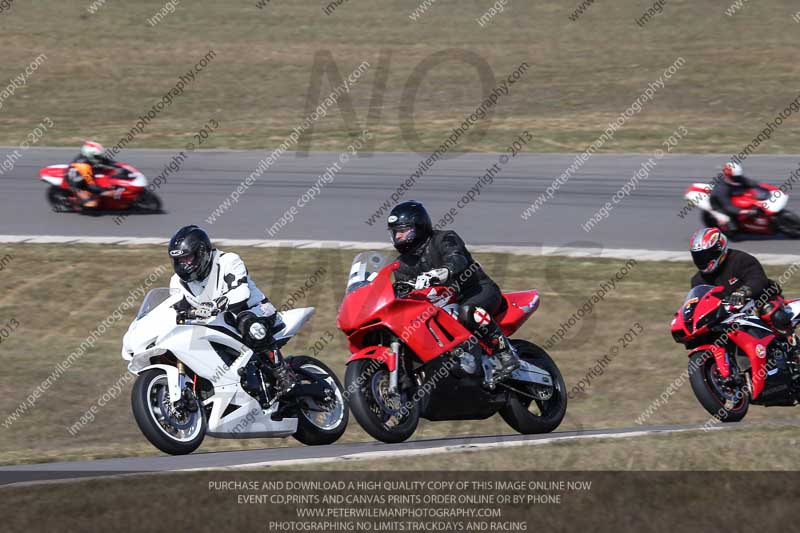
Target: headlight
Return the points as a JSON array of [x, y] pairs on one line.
[[257, 331]]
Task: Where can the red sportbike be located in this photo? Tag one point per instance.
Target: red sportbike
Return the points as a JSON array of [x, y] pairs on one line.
[[412, 358], [127, 191], [734, 357], [767, 203]]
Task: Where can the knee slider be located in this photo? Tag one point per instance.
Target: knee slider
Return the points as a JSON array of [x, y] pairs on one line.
[[256, 338], [474, 317]]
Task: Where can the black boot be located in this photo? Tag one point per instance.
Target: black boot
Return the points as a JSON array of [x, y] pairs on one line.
[[506, 355], [285, 378]]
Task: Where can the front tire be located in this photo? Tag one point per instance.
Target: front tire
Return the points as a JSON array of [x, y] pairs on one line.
[[388, 419], [529, 416], [176, 432], [712, 393], [789, 224], [59, 200], [315, 428]]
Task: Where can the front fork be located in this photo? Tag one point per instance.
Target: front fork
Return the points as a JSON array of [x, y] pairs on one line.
[[394, 374], [187, 398]]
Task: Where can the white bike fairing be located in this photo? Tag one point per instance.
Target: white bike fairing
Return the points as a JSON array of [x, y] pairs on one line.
[[234, 412]]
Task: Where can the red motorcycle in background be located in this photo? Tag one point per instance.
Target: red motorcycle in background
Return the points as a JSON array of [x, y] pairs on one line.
[[734, 357], [128, 191], [412, 358], [766, 201]]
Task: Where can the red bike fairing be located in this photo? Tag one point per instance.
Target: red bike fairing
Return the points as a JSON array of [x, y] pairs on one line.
[[756, 350], [427, 329], [128, 190], [693, 323]]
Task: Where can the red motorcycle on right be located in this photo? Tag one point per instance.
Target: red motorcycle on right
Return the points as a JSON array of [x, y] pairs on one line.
[[766, 201], [735, 359], [412, 358]]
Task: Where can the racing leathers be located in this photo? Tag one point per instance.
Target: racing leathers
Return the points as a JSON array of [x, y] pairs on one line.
[[80, 176], [744, 279], [722, 206], [229, 288], [479, 297]]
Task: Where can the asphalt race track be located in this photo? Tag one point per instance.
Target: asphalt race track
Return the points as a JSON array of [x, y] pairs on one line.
[[647, 219], [51, 472]]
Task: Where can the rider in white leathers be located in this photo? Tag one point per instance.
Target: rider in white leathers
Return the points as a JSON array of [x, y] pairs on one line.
[[227, 278], [211, 279]]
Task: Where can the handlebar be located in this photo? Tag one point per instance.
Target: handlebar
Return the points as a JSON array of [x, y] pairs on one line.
[[189, 315], [402, 288]]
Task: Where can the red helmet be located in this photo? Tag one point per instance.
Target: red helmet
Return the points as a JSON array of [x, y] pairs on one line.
[[709, 247]]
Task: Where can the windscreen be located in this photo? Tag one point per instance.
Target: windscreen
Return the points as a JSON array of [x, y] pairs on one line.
[[693, 298], [153, 299], [364, 268]]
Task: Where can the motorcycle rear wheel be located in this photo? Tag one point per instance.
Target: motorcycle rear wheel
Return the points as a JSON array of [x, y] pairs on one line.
[[158, 422], [789, 224], [367, 381], [148, 202], [709, 220], [710, 391], [518, 412], [316, 428]]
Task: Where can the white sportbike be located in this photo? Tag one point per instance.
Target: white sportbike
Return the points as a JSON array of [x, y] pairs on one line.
[[195, 377]]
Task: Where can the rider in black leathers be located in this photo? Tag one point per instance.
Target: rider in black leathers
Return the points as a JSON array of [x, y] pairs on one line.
[[442, 256], [734, 183], [742, 276]]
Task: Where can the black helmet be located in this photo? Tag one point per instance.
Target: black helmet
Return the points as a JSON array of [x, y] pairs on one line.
[[190, 250], [410, 226]]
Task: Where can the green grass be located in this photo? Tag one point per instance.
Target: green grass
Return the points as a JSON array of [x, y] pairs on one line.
[[58, 294], [759, 448], [106, 69]]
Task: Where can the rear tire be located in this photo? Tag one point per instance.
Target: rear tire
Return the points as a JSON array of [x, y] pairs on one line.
[[148, 202], [709, 220], [709, 391], [317, 432], [789, 224], [147, 404], [517, 412], [365, 377]]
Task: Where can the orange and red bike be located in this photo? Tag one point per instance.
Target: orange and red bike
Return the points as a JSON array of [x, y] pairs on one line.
[[125, 191], [412, 358]]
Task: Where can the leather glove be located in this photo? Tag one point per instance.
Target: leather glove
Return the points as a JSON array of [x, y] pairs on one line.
[[740, 296], [439, 275], [221, 303], [205, 310], [431, 277]]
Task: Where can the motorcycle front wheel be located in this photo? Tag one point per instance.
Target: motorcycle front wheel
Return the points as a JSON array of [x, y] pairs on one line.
[[723, 402], [390, 418], [176, 431], [59, 200]]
